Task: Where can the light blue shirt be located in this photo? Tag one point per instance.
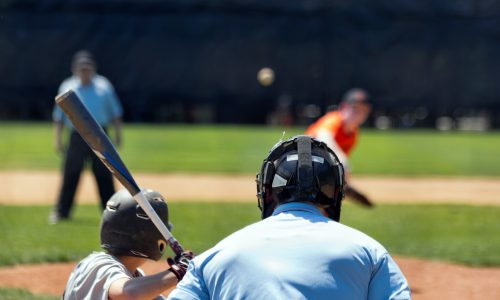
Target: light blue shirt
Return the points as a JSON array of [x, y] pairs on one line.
[[99, 97], [295, 254]]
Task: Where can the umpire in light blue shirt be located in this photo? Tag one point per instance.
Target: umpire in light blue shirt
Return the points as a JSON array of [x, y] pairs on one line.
[[99, 97], [299, 250]]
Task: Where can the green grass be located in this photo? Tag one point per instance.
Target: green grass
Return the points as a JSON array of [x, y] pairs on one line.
[[241, 149], [458, 233], [428, 153], [28, 238], [16, 294]]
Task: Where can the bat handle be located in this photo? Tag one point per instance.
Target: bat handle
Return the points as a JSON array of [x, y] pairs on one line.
[[148, 209], [175, 246]]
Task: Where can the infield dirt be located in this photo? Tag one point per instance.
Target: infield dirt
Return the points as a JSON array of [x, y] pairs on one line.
[[43, 188], [429, 280]]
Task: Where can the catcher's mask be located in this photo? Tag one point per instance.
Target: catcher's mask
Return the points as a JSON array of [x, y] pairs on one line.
[[127, 230], [301, 169]]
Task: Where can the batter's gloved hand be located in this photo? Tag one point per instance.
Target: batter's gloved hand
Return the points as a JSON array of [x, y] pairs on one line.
[[180, 263]]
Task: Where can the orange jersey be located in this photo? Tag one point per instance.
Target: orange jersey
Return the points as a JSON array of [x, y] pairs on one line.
[[333, 123]]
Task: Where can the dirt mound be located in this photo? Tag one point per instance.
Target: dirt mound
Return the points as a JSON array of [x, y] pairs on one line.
[[429, 280]]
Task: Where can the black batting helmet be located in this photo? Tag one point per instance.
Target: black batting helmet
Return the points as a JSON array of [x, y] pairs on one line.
[[301, 169], [127, 230]]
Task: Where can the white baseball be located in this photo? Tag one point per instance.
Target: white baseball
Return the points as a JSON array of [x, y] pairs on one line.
[[265, 76]]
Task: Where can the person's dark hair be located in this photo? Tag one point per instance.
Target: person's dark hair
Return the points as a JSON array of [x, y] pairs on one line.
[[83, 57], [352, 96]]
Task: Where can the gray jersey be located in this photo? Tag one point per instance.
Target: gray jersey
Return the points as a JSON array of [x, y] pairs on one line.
[[93, 276]]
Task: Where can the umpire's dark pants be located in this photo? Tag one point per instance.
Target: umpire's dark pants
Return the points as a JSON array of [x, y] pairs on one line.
[[77, 154]]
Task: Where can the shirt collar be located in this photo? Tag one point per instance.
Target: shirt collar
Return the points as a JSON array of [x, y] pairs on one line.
[[297, 206]]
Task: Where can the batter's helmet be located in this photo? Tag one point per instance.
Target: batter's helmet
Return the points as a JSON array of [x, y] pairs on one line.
[[127, 230], [301, 169]]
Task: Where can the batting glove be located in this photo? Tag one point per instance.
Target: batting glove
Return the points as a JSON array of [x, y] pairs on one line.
[[180, 263]]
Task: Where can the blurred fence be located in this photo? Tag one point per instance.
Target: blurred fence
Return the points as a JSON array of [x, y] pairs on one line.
[[196, 61]]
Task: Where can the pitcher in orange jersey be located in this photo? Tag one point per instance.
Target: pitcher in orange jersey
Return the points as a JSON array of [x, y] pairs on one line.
[[339, 130]]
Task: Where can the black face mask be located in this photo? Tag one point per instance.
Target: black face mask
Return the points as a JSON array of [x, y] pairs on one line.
[[301, 169]]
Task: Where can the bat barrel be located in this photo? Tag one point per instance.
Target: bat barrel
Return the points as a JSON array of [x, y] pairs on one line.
[[98, 141], [93, 134]]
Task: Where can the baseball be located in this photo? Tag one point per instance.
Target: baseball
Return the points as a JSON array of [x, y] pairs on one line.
[[265, 76]]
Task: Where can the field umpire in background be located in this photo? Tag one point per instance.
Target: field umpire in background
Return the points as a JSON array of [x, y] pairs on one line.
[[299, 250], [99, 96]]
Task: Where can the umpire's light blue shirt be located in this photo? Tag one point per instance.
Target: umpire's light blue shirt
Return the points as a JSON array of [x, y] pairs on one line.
[[99, 97], [295, 254]]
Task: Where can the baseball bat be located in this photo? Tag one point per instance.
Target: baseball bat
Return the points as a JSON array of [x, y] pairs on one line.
[[357, 196], [99, 142]]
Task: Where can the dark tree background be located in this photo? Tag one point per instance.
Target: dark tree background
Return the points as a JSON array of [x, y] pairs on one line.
[[195, 60]]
